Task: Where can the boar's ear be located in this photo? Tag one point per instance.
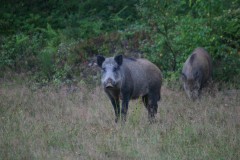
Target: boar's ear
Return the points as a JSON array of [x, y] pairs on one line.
[[183, 77], [100, 60], [119, 59]]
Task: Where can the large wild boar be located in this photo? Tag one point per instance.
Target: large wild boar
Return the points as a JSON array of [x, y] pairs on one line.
[[129, 78], [196, 72]]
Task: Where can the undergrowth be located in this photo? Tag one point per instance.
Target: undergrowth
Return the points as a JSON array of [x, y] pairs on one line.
[[76, 122]]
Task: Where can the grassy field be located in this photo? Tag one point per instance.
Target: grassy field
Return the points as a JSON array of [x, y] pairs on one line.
[[78, 123]]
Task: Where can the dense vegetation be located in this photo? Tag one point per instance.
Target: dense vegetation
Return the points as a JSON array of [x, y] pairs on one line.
[[50, 39]]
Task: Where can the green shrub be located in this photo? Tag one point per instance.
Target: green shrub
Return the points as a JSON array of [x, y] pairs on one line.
[[19, 52], [178, 27], [52, 38]]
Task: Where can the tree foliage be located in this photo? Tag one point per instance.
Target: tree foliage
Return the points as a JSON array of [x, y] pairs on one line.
[[51, 37], [177, 27]]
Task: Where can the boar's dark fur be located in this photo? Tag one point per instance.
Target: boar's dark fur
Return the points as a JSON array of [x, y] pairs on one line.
[[129, 78], [196, 72]]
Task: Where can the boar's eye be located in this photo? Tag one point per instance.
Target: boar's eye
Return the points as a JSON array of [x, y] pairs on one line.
[[115, 69], [104, 69]]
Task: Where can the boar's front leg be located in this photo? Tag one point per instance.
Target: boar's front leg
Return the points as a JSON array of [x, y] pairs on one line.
[[116, 105], [125, 102]]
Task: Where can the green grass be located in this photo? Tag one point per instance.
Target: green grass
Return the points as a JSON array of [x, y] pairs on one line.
[[54, 123]]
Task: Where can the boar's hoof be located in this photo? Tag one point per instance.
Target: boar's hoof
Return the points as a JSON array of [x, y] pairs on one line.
[[116, 120], [123, 118], [152, 120]]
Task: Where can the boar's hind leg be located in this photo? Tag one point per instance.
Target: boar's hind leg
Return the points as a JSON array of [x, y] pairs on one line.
[[152, 106], [145, 101]]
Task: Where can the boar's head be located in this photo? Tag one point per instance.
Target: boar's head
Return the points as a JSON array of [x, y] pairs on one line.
[[192, 85], [111, 74]]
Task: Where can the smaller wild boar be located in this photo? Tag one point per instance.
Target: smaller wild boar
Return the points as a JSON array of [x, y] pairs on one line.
[[129, 78], [196, 72]]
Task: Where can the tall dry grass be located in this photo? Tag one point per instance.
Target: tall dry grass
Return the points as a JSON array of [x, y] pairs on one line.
[[54, 123]]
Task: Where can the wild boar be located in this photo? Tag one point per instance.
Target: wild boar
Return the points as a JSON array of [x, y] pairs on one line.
[[129, 78], [196, 72]]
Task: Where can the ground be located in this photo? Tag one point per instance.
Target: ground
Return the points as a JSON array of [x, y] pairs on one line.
[[77, 122]]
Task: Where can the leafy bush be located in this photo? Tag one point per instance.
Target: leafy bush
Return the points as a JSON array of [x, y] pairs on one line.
[[19, 52], [177, 27], [55, 37]]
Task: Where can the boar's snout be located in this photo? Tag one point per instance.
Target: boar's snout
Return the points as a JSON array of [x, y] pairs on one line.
[[109, 83]]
